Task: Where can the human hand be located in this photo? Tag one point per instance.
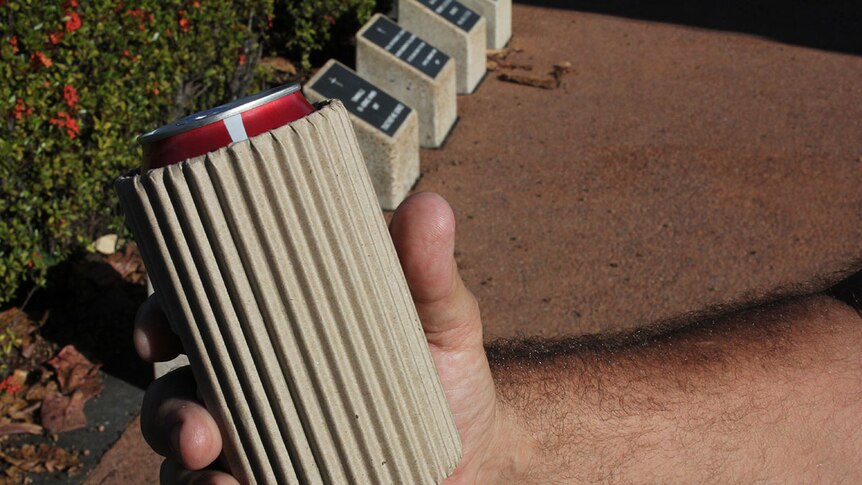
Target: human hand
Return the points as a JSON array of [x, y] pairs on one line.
[[177, 425]]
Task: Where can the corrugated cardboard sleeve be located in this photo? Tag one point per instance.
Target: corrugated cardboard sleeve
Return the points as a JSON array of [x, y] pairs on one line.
[[272, 261]]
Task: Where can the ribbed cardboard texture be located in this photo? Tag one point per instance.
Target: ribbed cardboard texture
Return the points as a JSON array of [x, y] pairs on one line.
[[273, 263]]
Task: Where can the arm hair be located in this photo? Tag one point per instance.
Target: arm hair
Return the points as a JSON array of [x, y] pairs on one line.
[[770, 393]]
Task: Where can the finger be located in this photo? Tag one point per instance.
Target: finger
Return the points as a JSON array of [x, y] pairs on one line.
[[173, 473], [176, 425], [153, 337], [423, 231]]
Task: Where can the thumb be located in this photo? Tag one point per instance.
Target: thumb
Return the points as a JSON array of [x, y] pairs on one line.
[[423, 231]]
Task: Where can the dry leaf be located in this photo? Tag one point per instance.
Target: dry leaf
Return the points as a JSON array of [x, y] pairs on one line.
[[43, 458], [63, 413], [19, 428], [279, 64], [128, 264], [501, 53], [281, 69], [76, 372]]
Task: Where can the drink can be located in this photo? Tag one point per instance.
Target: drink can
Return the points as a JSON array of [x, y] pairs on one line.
[[209, 130]]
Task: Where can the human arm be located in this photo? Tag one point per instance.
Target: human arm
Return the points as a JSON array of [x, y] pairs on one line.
[[753, 395], [770, 394]]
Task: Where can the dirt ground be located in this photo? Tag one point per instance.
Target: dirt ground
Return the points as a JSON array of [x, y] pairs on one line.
[[677, 168]]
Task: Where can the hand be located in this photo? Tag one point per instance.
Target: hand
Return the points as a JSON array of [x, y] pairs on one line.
[[177, 425]]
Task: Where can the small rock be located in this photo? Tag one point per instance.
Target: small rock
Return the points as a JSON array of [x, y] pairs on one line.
[[106, 244], [564, 66]]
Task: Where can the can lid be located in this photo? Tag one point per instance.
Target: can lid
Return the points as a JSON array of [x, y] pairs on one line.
[[219, 113]]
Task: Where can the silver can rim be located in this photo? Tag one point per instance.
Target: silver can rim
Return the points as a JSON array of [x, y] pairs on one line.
[[219, 113]]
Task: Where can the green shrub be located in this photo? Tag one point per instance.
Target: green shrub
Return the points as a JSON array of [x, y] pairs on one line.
[[78, 82], [305, 26]]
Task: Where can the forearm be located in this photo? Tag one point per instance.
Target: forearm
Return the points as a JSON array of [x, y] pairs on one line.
[[768, 395]]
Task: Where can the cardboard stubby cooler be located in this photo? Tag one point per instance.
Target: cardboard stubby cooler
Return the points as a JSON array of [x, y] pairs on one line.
[[272, 261]]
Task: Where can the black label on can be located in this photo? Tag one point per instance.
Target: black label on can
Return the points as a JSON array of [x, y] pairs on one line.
[[406, 46], [453, 11], [362, 98]]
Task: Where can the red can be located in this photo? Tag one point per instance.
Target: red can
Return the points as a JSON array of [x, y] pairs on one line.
[[215, 128]]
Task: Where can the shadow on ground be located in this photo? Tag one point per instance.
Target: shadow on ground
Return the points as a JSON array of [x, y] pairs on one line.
[[93, 308], [829, 25]]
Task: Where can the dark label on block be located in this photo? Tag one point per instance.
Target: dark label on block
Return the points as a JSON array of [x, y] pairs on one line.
[[454, 12], [362, 98], [406, 46]]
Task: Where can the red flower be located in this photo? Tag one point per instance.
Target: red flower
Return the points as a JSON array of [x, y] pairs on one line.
[[269, 21], [183, 22], [242, 59], [13, 41], [19, 109], [70, 94], [196, 4], [55, 37], [8, 385], [70, 4], [38, 59], [63, 120], [74, 22]]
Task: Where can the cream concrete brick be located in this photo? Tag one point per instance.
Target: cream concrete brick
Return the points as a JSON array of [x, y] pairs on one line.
[[454, 29], [386, 128], [413, 71], [498, 15]]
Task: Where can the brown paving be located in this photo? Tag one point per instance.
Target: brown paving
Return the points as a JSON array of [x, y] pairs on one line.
[[129, 462], [677, 168]]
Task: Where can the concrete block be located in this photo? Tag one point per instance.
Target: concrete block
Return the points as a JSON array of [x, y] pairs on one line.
[[454, 29], [498, 16], [413, 71], [273, 264], [386, 128]]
